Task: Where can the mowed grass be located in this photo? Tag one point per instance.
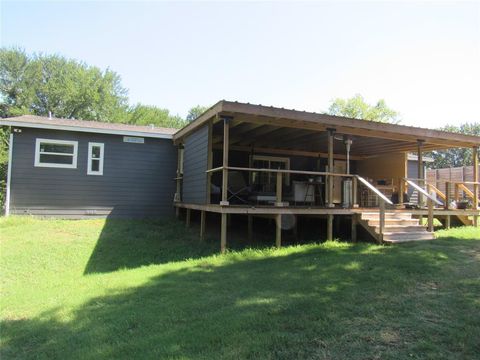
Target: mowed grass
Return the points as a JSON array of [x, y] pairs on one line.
[[143, 289]]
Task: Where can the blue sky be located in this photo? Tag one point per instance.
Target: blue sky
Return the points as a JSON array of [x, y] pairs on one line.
[[423, 58]]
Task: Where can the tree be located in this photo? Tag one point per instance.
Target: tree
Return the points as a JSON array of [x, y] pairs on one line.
[[357, 108], [40, 84], [147, 115], [459, 156], [195, 112]]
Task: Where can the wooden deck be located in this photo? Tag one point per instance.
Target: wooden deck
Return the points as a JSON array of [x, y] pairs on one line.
[[314, 210]]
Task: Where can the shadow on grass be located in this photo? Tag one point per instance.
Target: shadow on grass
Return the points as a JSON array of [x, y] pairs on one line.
[[128, 244], [346, 301]]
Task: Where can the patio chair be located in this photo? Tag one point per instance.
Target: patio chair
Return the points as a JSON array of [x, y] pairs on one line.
[[238, 190]]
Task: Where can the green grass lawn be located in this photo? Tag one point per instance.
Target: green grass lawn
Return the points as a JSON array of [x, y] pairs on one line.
[[137, 289]]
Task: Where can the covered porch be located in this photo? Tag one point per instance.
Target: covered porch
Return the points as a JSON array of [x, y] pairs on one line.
[[263, 161]]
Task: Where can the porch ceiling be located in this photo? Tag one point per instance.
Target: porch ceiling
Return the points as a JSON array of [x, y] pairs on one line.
[[247, 135]]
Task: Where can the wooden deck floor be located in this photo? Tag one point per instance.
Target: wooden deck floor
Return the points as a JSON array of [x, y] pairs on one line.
[[314, 210]]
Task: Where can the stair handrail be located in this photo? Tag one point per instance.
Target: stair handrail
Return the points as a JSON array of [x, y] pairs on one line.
[[374, 189], [382, 200], [422, 191], [437, 191]]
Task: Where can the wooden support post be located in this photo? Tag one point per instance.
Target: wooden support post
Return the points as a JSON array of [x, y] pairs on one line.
[[187, 220], [223, 234], [295, 228], [279, 190], [430, 215], [448, 195], [330, 227], [421, 175], [202, 225], [355, 192], [448, 222], [401, 191], [354, 228], [475, 186], [226, 134], [381, 220], [209, 162], [177, 212], [331, 134], [278, 232], [250, 227]]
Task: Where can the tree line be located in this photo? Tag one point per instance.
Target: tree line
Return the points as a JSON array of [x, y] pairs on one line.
[[43, 84]]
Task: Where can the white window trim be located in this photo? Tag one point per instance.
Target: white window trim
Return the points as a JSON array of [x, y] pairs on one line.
[[89, 165], [51, 165]]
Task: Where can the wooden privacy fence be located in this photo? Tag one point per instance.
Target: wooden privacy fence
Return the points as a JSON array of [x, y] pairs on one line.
[[439, 178]]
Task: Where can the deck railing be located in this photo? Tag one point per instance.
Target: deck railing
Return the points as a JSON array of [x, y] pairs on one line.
[[461, 186], [446, 196], [431, 200], [279, 181], [356, 179]]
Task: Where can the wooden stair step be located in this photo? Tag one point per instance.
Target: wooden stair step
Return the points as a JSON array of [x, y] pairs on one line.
[[400, 235], [401, 228], [397, 241], [373, 216], [411, 222]]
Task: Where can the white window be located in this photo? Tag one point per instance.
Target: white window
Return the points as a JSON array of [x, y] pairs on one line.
[[56, 153], [95, 159]]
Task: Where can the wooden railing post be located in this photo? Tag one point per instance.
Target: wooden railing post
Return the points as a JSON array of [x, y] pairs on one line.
[[430, 215], [331, 134], [279, 190], [421, 175], [354, 192], [456, 192], [226, 132], [447, 195], [381, 219], [475, 177]]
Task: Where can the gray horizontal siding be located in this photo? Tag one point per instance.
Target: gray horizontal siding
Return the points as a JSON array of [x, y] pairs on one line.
[[137, 179], [195, 162]]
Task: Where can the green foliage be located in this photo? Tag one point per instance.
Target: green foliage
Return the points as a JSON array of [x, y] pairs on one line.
[[195, 112], [40, 84], [147, 115], [357, 108], [459, 156], [96, 289]]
